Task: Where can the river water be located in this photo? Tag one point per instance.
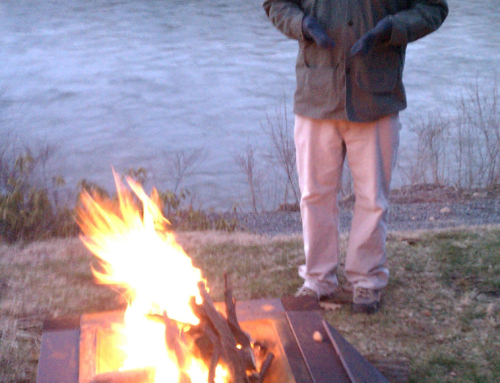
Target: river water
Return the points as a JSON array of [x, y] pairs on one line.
[[125, 83]]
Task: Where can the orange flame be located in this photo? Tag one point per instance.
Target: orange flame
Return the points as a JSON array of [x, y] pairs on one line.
[[137, 253]]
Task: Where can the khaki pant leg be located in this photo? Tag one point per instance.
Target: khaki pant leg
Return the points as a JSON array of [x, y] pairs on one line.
[[320, 156], [371, 154]]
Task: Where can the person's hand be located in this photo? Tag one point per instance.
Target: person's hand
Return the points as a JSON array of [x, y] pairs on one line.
[[312, 30], [379, 34]]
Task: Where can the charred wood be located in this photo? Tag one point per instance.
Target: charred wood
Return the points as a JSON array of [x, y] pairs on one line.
[[216, 352], [260, 376], [214, 362], [241, 337], [265, 366], [229, 351]]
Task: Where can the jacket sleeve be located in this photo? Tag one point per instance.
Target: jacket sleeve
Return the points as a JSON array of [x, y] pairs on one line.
[[286, 15], [420, 19]]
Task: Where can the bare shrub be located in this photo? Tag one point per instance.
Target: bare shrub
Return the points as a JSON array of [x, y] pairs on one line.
[[246, 162], [282, 152], [180, 164], [477, 134], [139, 175], [461, 150], [283, 156], [428, 163]]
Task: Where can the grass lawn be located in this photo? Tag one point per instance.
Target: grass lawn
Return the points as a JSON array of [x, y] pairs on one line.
[[441, 310]]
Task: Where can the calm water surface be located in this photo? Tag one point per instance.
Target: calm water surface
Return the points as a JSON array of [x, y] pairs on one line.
[[121, 83]]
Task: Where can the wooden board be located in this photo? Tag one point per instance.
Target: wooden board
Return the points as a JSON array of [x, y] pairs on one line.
[[59, 353], [323, 363]]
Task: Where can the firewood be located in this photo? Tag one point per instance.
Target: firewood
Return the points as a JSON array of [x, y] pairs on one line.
[[258, 377], [173, 340], [229, 352], [215, 352], [241, 337], [214, 362], [265, 365]]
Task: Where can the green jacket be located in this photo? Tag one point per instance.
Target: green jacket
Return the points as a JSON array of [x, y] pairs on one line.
[[330, 84]]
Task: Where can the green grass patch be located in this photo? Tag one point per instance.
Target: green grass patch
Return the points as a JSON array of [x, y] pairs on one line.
[[469, 262]]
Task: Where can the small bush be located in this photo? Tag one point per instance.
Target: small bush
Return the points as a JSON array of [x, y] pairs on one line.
[[188, 218], [26, 211]]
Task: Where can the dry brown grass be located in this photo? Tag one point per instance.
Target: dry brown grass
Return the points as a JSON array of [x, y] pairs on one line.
[[446, 332], [441, 309]]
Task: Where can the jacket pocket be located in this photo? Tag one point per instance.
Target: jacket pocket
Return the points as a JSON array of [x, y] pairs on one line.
[[313, 56], [317, 87], [380, 71]]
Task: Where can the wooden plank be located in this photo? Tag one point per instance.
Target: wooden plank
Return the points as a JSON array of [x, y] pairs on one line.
[[323, 363], [59, 356], [304, 303], [292, 351], [359, 369]]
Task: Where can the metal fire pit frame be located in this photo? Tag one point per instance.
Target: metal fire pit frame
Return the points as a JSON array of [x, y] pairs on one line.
[[64, 354]]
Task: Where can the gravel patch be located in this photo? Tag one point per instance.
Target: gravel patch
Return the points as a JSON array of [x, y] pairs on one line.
[[402, 216]]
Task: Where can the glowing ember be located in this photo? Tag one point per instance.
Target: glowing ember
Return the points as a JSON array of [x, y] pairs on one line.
[[137, 253]]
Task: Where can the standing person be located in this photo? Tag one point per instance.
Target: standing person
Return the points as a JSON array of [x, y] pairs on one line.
[[349, 93]]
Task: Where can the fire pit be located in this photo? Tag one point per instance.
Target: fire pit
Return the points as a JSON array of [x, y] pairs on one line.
[[182, 336], [76, 350]]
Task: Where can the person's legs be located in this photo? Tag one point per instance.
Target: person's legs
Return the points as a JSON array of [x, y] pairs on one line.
[[371, 152], [320, 157]]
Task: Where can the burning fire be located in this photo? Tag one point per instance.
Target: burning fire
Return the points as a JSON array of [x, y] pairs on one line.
[[138, 254]]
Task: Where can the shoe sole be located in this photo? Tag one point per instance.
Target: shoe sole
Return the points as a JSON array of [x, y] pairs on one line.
[[329, 306], [338, 301], [340, 298]]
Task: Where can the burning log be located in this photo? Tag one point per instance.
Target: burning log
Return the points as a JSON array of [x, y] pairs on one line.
[[214, 362], [259, 377], [242, 338], [172, 340], [228, 347], [215, 329], [228, 340]]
